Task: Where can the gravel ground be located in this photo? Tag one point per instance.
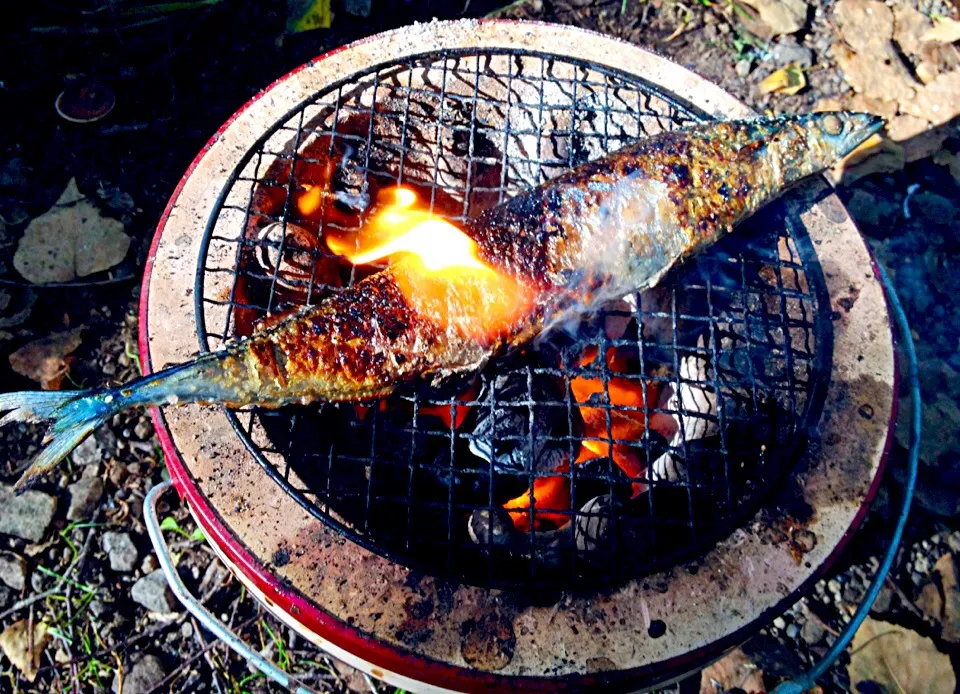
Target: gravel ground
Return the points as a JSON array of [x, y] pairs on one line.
[[75, 552]]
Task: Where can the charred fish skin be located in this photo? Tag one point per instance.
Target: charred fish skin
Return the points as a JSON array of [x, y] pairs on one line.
[[617, 224]]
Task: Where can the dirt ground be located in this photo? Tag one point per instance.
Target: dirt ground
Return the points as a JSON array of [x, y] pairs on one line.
[[176, 81]]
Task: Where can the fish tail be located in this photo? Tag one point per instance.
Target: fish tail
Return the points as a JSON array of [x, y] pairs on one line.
[[74, 415]]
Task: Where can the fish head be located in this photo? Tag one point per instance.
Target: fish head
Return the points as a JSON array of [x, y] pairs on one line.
[[832, 135], [806, 144]]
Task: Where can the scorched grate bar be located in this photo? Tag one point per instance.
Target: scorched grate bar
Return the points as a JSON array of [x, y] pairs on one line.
[[423, 477]]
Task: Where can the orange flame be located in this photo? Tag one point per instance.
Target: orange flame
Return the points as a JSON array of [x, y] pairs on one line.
[[548, 497], [444, 280], [625, 425]]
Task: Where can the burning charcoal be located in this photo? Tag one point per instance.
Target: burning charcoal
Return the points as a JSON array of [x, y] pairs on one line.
[[496, 528], [503, 430], [693, 407], [592, 522]]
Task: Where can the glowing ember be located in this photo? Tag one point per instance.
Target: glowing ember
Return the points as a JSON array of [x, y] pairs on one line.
[[443, 277], [624, 424], [550, 496], [309, 202]]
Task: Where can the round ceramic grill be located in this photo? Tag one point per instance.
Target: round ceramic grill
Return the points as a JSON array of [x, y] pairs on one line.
[[422, 477]]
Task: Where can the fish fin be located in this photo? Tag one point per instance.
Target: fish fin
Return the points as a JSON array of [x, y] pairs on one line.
[[75, 414]]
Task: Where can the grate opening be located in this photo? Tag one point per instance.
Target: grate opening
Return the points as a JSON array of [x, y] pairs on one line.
[[737, 337]]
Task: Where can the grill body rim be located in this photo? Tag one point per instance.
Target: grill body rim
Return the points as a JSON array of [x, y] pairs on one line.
[[375, 654]]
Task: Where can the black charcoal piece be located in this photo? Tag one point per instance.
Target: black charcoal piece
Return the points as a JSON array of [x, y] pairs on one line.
[[513, 405]]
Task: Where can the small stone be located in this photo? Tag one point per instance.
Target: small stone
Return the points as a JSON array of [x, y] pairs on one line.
[[140, 677], [13, 570], [780, 623], [109, 369], [833, 585], [186, 630], [792, 631], [27, 515], [143, 429], [916, 578], [812, 631], [95, 448], [853, 593], [743, 67], [787, 51], [120, 550], [884, 599], [153, 592], [953, 541], [922, 564], [85, 494], [149, 564]]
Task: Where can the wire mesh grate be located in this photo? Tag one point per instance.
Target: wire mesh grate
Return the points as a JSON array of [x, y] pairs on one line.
[[617, 446]]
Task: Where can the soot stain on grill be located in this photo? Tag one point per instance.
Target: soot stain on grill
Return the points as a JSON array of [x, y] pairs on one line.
[[488, 643]]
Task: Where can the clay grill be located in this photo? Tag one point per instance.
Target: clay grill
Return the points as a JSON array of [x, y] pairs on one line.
[[765, 369]]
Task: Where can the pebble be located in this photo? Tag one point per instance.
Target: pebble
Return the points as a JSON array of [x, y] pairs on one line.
[[140, 677], [833, 585], [922, 564], [787, 51], [916, 578], [120, 550], [743, 67], [793, 631], [780, 623], [186, 630], [812, 631], [149, 564], [953, 541], [95, 448], [853, 593], [13, 570], [85, 494], [28, 515], [143, 429], [153, 592]]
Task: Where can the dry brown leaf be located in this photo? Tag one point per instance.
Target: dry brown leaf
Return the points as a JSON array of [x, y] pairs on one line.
[[15, 643], [781, 16], [898, 659], [946, 30], [877, 154], [787, 80], [734, 671], [940, 599], [904, 127], [71, 239], [950, 160], [869, 60], [46, 360], [909, 27], [938, 101]]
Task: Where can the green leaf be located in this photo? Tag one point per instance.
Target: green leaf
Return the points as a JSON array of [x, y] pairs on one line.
[[305, 15], [198, 535], [170, 523]]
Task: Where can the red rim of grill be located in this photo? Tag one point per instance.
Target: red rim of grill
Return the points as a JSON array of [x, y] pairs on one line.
[[779, 292]]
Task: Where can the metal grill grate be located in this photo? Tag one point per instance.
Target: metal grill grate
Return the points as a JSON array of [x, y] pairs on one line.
[[420, 478]]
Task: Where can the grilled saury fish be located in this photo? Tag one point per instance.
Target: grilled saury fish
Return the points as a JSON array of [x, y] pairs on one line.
[[609, 227]]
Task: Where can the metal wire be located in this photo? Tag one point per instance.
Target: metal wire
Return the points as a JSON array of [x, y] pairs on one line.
[[809, 680], [465, 130]]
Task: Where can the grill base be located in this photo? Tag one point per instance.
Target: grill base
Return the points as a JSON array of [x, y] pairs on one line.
[[451, 635]]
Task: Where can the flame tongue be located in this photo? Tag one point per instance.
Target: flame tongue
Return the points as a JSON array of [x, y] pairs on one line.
[[443, 278]]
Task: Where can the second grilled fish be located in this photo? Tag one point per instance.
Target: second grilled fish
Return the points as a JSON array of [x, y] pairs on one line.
[[610, 227]]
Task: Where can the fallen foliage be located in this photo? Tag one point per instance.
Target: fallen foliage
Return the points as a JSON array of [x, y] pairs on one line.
[[734, 671], [781, 16], [47, 360], [72, 239], [940, 599], [787, 80], [878, 656], [22, 649]]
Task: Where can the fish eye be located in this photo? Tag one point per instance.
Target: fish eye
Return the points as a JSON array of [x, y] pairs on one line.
[[832, 124]]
